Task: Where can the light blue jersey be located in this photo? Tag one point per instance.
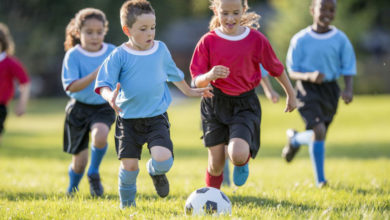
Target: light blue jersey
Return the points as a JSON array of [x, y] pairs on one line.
[[77, 64], [329, 53], [264, 73], [143, 76]]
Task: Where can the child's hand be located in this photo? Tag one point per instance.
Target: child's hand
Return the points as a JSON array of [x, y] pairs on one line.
[[347, 96], [218, 72], [316, 77], [272, 96], [112, 98], [291, 104], [20, 109], [205, 92]]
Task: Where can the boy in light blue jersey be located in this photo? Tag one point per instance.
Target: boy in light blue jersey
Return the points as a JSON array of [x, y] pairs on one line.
[[317, 57], [86, 112], [133, 79]]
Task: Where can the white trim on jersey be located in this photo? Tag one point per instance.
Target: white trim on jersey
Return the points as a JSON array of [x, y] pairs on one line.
[[92, 54], [142, 52], [232, 38]]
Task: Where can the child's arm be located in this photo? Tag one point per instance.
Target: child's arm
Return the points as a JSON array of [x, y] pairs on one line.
[[269, 91], [183, 86], [313, 77], [347, 94], [110, 96], [291, 102], [215, 73], [82, 83], [23, 99]]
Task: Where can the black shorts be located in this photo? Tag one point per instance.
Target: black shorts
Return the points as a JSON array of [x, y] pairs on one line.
[[225, 117], [132, 134], [78, 122], [3, 116], [317, 103]]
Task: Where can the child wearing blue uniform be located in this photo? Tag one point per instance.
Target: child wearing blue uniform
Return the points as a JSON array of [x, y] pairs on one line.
[[317, 57], [133, 79], [86, 112]]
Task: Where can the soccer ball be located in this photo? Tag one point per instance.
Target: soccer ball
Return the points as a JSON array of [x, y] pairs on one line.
[[208, 200]]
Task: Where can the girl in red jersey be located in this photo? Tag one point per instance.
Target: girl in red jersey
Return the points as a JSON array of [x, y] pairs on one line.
[[228, 58], [10, 70]]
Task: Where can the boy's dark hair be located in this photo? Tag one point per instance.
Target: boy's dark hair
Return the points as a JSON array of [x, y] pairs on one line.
[[72, 31], [6, 41], [133, 8]]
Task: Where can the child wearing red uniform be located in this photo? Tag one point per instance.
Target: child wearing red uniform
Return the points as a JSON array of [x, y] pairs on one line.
[[10, 70], [228, 58]]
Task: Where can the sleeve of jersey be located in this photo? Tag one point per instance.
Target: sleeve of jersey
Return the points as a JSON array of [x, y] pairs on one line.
[[173, 72], [20, 72], [200, 59], [348, 59], [269, 60], [108, 75], [70, 70], [293, 56]]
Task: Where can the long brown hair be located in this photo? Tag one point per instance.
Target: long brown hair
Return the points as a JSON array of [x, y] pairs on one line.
[[249, 19], [6, 41], [133, 8], [72, 31]]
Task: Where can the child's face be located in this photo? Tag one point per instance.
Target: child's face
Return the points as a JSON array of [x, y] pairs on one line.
[[323, 12], [229, 13], [92, 35], [142, 32]]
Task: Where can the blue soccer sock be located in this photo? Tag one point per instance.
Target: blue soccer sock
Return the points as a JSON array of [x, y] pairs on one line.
[[97, 155], [317, 154], [159, 167], [303, 138], [226, 173], [74, 180], [127, 187]]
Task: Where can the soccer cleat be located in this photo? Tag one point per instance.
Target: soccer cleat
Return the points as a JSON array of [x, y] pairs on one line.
[[322, 185], [240, 174], [95, 185], [289, 151], [161, 184]]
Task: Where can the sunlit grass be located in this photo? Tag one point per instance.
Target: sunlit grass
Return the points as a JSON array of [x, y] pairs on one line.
[[33, 168]]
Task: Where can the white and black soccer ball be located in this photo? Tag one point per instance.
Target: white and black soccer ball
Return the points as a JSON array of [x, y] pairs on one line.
[[208, 201]]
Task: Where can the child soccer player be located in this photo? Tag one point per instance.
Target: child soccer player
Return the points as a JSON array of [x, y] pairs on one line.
[[232, 117], [86, 112], [11, 69], [133, 79], [317, 56]]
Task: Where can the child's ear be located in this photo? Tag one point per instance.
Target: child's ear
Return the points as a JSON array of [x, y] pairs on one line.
[[125, 30]]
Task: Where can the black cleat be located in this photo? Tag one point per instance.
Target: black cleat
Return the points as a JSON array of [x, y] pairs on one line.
[[289, 151], [95, 185], [161, 185]]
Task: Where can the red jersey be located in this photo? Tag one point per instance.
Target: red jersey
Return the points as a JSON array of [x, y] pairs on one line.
[[243, 54], [10, 69]]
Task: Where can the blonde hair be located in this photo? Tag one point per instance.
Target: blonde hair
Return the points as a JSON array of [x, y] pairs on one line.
[[72, 31], [133, 8], [6, 41], [249, 19]]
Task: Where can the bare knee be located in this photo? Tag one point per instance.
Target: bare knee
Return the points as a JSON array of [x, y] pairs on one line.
[[99, 135], [129, 164], [319, 132], [160, 153], [238, 151]]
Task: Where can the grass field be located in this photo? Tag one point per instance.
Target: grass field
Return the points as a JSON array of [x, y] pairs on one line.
[[33, 168]]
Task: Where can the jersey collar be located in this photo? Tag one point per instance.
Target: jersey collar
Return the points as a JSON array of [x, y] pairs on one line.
[[327, 35], [92, 54], [142, 52], [232, 38]]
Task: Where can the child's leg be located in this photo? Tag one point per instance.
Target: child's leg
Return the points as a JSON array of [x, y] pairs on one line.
[[226, 170], [128, 173], [317, 152], [160, 163], [239, 153], [76, 170], [216, 162], [99, 133], [302, 138]]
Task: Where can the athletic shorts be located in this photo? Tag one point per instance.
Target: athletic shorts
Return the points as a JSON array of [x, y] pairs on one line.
[[78, 122], [317, 103], [225, 117], [132, 134], [3, 116]]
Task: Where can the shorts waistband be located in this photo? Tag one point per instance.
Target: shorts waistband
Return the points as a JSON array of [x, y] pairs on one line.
[[144, 119], [90, 105], [219, 92]]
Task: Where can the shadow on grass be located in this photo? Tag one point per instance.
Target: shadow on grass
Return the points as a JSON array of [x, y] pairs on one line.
[[270, 203]]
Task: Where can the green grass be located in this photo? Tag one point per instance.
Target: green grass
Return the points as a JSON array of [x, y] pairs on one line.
[[33, 168]]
